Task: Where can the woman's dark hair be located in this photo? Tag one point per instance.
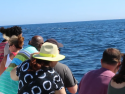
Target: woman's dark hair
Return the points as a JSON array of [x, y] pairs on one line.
[[36, 64], [120, 77], [15, 30], [4, 40]]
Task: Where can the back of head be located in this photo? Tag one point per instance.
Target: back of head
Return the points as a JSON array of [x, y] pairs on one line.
[[120, 77], [54, 42], [8, 32], [17, 41], [48, 53], [36, 64], [36, 41], [111, 56]]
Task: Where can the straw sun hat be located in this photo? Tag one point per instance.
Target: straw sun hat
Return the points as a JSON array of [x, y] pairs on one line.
[[49, 52]]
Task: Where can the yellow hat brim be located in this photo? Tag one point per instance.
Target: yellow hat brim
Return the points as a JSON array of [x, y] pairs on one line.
[[57, 58]]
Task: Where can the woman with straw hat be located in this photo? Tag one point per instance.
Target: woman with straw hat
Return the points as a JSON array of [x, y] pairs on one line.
[[36, 76]]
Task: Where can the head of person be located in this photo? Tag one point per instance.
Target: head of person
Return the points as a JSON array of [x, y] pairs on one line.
[[37, 42], [54, 42], [111, 57], [120, 77], [9, 32], [48, 56], [16, 43]]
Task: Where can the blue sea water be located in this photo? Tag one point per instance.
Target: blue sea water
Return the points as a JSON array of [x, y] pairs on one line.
[[84, 42]]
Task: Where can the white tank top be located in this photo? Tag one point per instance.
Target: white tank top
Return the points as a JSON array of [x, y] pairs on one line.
[[8, 60]]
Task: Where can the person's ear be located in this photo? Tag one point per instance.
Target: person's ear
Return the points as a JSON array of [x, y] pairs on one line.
[[29, 42], [117, 66], [40, 46], [119, 63]]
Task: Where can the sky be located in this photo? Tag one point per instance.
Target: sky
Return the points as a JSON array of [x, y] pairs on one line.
[[19, 12]]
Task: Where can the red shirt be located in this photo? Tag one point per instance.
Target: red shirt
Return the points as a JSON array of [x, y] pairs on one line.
[[2, 45]]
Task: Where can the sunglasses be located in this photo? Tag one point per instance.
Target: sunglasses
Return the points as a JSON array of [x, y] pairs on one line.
[[10, 45]]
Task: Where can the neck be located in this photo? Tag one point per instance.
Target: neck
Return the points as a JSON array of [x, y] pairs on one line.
[[16, 51], [110, 67]]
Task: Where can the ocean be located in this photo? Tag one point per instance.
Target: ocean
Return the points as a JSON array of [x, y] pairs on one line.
[[84, 42]]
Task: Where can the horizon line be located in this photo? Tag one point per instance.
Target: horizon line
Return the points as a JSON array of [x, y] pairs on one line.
[[63, 22]]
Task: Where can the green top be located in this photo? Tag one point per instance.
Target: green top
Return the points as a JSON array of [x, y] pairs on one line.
[[112, 90]]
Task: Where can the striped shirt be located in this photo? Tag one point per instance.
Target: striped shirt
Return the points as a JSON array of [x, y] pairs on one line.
[[7, 85], [2, 45]]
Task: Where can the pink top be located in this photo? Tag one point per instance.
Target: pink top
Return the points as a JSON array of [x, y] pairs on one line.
[[96, 82], [14, 53]]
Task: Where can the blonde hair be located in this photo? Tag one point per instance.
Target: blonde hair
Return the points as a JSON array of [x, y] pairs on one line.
[[17, 41], [6, 37]]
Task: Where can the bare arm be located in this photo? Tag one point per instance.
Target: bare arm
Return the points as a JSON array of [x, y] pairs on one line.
[[2, 64], [13, 75], [61, 91], [70, 81], [6, 49], [73, 89]]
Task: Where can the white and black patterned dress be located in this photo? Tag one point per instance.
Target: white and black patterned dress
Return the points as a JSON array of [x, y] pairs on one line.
[[43, 81]]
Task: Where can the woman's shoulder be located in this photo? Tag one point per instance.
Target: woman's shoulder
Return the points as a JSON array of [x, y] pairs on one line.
[[117, 85], [24, 64], [11, 56]]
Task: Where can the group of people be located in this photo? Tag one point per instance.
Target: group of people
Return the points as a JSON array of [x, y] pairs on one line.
[[32, 68], [35, 69]]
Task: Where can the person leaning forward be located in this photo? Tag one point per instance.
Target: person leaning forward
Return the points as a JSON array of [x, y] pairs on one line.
[[96, 81], [7, 34], [7, 85], [37, 76], [68, 79]]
